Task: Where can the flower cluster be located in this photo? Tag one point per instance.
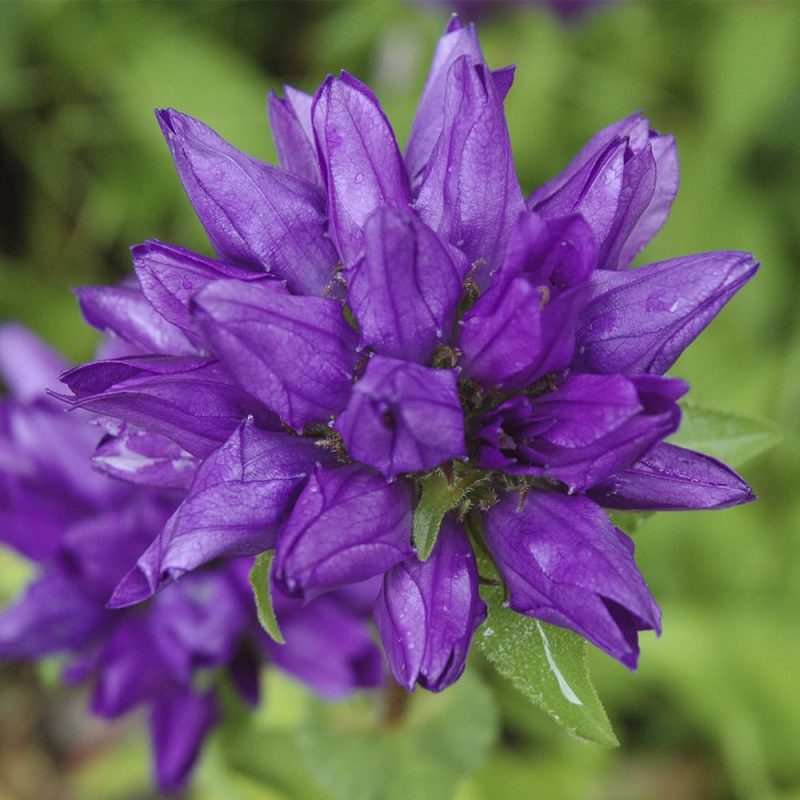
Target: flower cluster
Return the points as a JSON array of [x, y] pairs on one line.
[[377, 324], [86, 531]]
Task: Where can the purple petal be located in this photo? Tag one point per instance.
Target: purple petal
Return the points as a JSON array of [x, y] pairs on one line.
[[180, 720], [169, 276], [511, 338], [293, 133], [403, 418], [193, 402], [124, 312], [458, 41], [236, 503], [655, 214], [197, 623], [590, 427], [254, 214], [428, 611], [405, 289], [128, 669], [361, 164], [469, 192], [565, 563], [295, 354], [145, 458], [28, 367], [347, 525], [100, 549], [558, 252], [671, 478], [623, 182], [328, 647], [53, 615], [642, 320]]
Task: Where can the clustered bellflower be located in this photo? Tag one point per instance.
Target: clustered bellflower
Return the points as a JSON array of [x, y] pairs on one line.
[[372, 321], [86, 531]]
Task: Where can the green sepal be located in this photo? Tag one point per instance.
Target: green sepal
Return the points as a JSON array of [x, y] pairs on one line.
[[260, 581], [439, 493]]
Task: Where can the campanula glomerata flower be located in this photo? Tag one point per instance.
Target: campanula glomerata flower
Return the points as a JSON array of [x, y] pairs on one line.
[[373, 321]]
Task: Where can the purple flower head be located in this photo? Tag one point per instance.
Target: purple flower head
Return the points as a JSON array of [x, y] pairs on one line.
[[87, 531], [375, 325]]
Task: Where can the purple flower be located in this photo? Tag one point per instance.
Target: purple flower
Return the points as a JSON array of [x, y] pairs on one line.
[[87, 531], [378, 323]]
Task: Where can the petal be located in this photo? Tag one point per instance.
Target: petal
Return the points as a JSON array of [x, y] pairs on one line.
[[361, 163], [197, 622], [328, 647], [458, 41], [292, 131], [565, 563], [508, 339], [403, 417], [128, 668], [193, 402], [145, 458], [347, 525], [123, 312], [428, 611], [180, 721], [469, 192], [254, 214], [236, 503], [665, 155], [53, 615], [169, 276], [623, 181], [642, 320], [594, 425], [405, 289], [295, 354], [28, 367], [558, 252], [671, 478]]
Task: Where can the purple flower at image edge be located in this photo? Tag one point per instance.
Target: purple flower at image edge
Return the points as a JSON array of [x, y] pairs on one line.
[[372, 319], [86, 530]]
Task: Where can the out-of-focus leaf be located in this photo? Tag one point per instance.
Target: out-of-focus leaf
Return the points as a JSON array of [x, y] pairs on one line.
[[730, 437], [422, 755]]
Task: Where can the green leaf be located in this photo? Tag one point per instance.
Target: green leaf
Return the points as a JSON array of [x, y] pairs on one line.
[[439, 494], [441, 739], [730, 437], [548, 665], [259, 580]]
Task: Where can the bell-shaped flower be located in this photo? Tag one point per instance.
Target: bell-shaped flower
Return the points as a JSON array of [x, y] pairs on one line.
[[566, 564], [588, 428], [469, 192], [623, 183], [642, 320], [347, 525], [671, 478], [297, 355], [405, 288], [254, 214], [361, 163], [516, 333], [427, 612]]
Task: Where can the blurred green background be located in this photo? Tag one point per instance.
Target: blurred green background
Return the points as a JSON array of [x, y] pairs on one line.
[[714, 711]]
